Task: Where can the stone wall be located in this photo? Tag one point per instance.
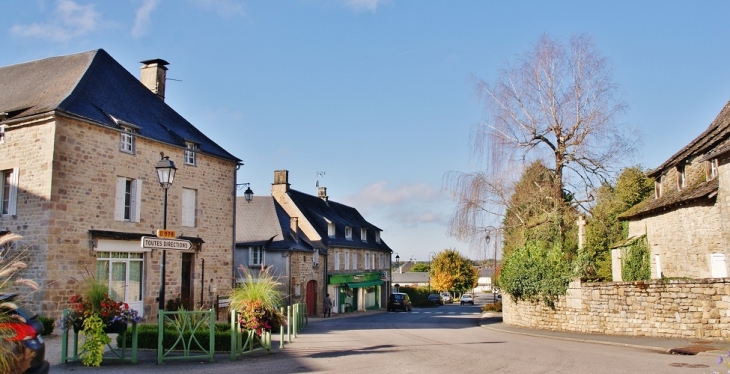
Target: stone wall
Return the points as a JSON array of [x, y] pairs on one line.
[[698, 308]]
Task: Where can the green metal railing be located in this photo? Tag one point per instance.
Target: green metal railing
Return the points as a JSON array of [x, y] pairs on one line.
[[119, 353], [186, 323], [296, 318], [239, 346]]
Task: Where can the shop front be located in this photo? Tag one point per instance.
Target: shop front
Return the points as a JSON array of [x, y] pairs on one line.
[[353, 292]]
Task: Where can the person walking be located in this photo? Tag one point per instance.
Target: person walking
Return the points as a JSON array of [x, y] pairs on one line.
[[327, 306]]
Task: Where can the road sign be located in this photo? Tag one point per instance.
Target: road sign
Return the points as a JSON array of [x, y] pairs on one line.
[[167, 234], [161, 243]]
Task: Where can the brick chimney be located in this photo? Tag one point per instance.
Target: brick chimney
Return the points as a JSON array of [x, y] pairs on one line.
[[281, 182], [153, 74], [322, 193], [294, 224]]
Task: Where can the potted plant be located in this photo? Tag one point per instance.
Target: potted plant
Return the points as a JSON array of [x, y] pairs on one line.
[[257, 300], [95, 314]]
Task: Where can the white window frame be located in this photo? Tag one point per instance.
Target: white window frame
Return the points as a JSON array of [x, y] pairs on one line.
[[330, 228], [121, 213], [126, 140], [2, 133], [348, 232], [367, 261], [254, 260], [712, 169], [9, 192], [134, 299], [681, 177], [337, 261], [347, 260], [191, 151], [364, 234], [189, 203]]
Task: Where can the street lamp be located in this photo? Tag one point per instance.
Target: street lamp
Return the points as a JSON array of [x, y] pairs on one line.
[[431, 255], [248, 194], [166, 175], [397, 261]]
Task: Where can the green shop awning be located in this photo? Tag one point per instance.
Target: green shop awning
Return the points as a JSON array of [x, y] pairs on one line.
[[370, 283]]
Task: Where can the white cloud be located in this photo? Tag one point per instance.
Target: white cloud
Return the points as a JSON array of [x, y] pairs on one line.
[[408, 205], [364, 5], [380, 194], [142, 19], [224, 8], [68, 21]]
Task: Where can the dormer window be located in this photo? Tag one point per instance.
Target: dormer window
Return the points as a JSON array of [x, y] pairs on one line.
[[126, 139], [2, 133], [330, 228], [377, 236], [711, 169], [191, 149], [681, 177], [348, 232], [658, 187], [364, 234]]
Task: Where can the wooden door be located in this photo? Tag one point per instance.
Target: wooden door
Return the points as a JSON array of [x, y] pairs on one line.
[[311, 298]]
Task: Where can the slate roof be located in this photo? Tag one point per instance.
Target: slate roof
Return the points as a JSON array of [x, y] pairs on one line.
[[672, 199], [717, 133], [410, 278], [262, 219], [94, 86], [317, 212]]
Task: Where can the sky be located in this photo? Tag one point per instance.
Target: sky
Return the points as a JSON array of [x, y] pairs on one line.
[[375, 98]]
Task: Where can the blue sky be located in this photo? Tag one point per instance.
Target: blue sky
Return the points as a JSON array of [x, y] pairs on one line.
[[377, 94]]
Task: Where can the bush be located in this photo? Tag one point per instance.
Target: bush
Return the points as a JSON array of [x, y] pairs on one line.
[[48, 324], [147, 337], [637, 264], [494, 307]]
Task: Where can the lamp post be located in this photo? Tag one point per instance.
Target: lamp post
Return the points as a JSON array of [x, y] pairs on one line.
[[165, 174], [431, 255], [397, 262], [248, 194]]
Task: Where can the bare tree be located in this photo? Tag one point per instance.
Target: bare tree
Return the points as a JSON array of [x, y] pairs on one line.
[[557, 104]]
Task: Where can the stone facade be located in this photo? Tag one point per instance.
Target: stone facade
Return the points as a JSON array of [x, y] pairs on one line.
[[67, 186], [676, 309]]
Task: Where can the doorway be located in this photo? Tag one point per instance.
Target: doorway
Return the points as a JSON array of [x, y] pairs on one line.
[[186, 286], [311, 298]]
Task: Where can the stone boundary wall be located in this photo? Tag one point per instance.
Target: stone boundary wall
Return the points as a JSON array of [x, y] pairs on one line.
[[693, 308]]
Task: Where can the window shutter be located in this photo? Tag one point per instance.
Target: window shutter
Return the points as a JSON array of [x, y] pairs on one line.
[[136, 200], [188, 207], [250, 256], [13, 199], [119, 200]]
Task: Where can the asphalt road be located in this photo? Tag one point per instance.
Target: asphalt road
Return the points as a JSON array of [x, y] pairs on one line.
[[445, 339]]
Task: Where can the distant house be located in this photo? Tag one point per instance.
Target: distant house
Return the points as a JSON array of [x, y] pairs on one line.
[[356, 259], [484, 281], [79, 140], [685, 222], [411, 279], [268, 238]]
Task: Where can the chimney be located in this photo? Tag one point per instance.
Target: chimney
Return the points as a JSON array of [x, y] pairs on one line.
[[294, 223], [281, 182], [153, 75], [322, 193]]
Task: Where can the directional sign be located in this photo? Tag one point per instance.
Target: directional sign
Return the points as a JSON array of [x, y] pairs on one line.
[[160, 243]]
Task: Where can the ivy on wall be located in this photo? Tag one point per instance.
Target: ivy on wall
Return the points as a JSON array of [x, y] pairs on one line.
[[636, 264]]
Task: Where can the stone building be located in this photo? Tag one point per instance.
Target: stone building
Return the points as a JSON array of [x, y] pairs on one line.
[[338, 245], [79, 140], [686, 221]]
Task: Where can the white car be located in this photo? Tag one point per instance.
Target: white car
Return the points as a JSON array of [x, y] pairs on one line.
[[447, 297], [467, 298]]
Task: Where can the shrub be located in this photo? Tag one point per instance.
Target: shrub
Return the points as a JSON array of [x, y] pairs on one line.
[[147, 337], [494, 307], [48, 324], [636, 264]]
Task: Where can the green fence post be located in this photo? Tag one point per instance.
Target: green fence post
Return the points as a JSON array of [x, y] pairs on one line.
[[211, 327], [296, 320], [135, 342], [281, 331], [160, 334], [288, 323], [306, 315], [64, 341]]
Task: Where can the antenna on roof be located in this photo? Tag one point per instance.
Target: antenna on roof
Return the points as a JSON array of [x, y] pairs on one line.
[[320, 174]]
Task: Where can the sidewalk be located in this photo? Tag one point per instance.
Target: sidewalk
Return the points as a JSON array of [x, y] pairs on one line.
[[493, 321]]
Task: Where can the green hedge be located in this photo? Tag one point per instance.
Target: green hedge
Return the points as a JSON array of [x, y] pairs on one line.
[[147, 337], [418, 295]]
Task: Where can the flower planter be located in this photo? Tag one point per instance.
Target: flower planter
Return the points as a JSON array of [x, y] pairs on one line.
[[117, 327]]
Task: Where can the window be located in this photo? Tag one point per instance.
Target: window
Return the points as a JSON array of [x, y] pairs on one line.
[[189, 199], [364, 234], [191, 149], [9, 192], [377, 236], [255, 256], [128, 200], [347, 260], [348, 232], [315, 257], [123, 273], [126, 140], [354, 261], [367, 261], [2, 133], [330, 228], [380, 262], [711, 169], [337, 261], [681, 177], [658, 187]]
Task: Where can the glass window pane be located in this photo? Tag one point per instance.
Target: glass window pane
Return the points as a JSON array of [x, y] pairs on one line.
[[118, 280], [135, 281], [102, 270]]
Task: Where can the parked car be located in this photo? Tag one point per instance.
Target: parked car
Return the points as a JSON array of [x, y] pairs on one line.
[[436, 299], [27, 342], [399, 301], [467, 298], [446, 297]]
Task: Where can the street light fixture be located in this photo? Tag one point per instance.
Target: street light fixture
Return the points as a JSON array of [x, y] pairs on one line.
[[166, 175], [431, 255]]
